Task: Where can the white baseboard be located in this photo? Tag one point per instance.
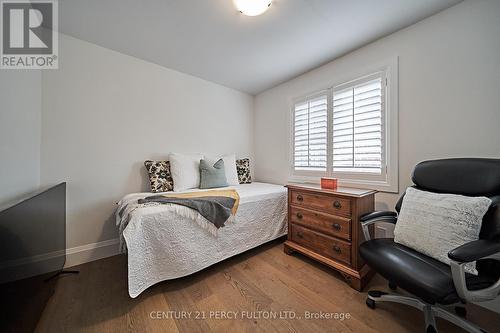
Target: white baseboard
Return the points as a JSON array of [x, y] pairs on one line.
[[89, 252], [383, 230]]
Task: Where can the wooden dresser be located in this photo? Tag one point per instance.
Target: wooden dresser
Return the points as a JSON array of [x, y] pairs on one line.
[[324, 225]]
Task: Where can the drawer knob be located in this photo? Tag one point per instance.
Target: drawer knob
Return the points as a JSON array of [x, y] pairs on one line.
[[299, 198], [299, 216], [300, 235], [336, 226], [337, 249], [337, 204]]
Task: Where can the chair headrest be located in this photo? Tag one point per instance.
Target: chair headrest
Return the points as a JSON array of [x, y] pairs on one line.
[[466, 176]]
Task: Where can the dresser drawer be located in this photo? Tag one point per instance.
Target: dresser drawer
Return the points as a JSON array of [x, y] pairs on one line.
[[330, 224], [322, 244], [327, 203]]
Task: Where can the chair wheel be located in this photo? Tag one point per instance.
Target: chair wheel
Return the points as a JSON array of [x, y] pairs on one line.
[[392, 286], [370, 303], [430, 329], [461, 311]]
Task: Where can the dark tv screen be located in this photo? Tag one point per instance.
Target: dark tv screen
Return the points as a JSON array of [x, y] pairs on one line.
[[32, 251]]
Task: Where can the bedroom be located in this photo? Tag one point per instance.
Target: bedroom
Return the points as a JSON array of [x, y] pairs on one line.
[[138, 81]]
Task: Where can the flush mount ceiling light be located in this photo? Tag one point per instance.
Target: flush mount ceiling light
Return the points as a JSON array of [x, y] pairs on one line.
[[252, 7]]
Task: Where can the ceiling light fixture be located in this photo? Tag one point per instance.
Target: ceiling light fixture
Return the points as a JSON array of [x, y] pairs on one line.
[[252, 7]]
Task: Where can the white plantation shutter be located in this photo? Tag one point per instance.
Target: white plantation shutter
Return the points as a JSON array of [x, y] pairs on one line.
[[349, 131], [358, 126], [310, 133]]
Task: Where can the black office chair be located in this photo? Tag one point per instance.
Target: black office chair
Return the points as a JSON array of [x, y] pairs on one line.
[[434, 283]]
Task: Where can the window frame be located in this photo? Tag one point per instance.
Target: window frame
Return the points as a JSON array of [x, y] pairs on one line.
[[387, 181]]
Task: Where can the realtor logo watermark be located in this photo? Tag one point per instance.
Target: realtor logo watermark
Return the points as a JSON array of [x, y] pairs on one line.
[[29, 38]]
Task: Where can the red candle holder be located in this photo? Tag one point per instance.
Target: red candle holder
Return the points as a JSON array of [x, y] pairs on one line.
[[329, 183]]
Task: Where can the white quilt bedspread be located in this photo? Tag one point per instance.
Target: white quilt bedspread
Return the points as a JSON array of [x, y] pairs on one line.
[[163, 244]]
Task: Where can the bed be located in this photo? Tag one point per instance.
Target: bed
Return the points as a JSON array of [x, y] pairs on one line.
[[163, 243]]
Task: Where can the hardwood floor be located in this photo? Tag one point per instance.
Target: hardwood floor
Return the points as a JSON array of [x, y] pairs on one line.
[[262, 281]]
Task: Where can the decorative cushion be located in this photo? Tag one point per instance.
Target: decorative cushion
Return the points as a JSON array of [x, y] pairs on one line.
[[185, 169], [229, 166], [159, 176], [243, 168], [212, 175], [434, 224]]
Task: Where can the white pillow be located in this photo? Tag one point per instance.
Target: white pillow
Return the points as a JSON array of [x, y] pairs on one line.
[[435, 224], [185, 170], [229, 167]]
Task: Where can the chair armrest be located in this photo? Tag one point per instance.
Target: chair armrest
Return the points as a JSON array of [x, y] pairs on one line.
[[377, 216], [474, 250]]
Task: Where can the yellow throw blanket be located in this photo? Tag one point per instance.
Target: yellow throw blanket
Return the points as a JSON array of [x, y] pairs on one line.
[[231, 193]]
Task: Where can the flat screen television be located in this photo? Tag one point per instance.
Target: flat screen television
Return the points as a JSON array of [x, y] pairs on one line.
[[32, 252]]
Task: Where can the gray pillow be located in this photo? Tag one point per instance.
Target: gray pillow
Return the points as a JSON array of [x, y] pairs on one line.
[[212, 175]]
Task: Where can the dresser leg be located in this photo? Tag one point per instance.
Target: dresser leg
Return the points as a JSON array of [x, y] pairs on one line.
[[287, 249], [353, 282]]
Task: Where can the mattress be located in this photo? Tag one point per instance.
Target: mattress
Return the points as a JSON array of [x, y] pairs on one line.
[[163, 244]]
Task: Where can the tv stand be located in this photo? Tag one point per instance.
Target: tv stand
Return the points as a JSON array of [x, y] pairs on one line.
[[61, 273]]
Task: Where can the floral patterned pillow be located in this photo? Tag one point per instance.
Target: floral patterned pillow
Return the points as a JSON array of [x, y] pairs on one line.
[[243, 169], [159, 176]]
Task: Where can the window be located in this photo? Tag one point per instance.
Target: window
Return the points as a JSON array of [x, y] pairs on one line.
[[310, 134], [357, 126], [349, 131]]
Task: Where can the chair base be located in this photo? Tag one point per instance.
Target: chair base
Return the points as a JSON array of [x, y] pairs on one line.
[[431, 312]]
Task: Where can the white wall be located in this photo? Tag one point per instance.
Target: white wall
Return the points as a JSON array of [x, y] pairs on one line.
[[449, 94], [449, 100], [104, 113], [20, 116]]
